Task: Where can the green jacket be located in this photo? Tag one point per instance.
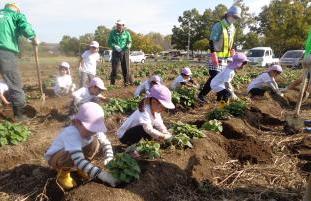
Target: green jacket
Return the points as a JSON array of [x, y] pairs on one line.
[[12, 26], [308, 45], [120, 39]]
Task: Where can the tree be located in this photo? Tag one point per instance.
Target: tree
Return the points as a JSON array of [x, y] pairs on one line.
[[69, 45], [284, 24], [102, 35], [251, 40], [160, 40], [201, 45], [180, 34]]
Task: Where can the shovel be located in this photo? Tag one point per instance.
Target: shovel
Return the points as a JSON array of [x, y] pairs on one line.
[[35, 48]]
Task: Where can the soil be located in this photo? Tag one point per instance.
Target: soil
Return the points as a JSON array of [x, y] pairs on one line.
[[254, 158]]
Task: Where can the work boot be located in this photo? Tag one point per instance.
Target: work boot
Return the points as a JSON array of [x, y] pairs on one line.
[[19, 114], [307, 123], [65, 180]]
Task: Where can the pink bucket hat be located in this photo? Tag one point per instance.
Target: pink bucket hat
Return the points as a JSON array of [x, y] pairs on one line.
[[275, 67], [156, 78], [91, 116], [96, 81], [237, 60], [186, 71], [163, 95]]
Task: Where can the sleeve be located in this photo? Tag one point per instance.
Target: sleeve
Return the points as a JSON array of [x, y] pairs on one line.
[[106, 146], [84, 54], [24, 27], [159, 125], [129, 37], [274, 86], [97, 57], [154, 133], [308, 44], [110, 40], [216, 32], [77, 96], [84, 165], [139, 90]]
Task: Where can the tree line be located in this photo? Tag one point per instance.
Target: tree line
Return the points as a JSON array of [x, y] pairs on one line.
[[282, 25]]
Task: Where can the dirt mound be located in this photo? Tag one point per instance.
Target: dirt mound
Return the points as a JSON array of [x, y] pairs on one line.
[[242, 144]]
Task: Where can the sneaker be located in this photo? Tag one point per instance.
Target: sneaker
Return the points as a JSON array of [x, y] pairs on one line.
[[201, 99], [307, 123]]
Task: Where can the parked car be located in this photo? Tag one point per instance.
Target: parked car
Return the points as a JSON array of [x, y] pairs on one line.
[[292, 58], [107, 55], [137, 57], [261, 56]]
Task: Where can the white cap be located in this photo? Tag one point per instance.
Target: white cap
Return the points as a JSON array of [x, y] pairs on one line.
[[121, 22], [94, 44], [64, 64]]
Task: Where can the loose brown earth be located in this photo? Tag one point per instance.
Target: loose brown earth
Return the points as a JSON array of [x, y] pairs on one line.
[[255, 158]]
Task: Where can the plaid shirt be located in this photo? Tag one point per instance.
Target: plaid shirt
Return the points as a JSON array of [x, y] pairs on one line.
[[222, 65]]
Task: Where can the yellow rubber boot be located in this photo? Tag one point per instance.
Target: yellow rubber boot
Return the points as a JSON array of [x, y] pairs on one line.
[[65, 180], [222, 104], [83, 175]]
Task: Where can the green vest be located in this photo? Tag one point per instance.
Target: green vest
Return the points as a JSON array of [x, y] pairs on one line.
[[227, 41]]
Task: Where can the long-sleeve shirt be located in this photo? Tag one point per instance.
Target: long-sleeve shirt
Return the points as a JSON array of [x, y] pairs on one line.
[[121, 39], [12, 26], [264, 80]]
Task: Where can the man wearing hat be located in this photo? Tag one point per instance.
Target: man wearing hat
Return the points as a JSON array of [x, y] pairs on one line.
[[221, 46], [120, 42], [13, 24]]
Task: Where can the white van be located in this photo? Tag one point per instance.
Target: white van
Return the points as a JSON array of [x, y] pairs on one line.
[[107, 55], [261, 56]]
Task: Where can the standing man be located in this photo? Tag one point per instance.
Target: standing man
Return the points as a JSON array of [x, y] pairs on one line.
[[221, 46], [120, 41], [13, 24]]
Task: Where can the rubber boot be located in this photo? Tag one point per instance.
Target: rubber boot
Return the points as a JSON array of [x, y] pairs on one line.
[[19, 114], [222, 104], [83, 175], [65, 180]]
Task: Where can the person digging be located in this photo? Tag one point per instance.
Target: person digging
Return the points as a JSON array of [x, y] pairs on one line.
[[14, 24]]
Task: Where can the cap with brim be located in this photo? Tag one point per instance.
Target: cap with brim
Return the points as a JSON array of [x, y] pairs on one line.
[[94, 44], [91, 116], [186, 71], [163, 95], [96, 81], [64, 64], [237, 61], [155, 78], [275, 67]]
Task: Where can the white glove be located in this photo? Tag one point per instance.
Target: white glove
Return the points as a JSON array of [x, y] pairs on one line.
[[281, 94], [107, 178], [129, 45], [283, 89], [107, 160], [118, 49], [167, 136], [35, 42]]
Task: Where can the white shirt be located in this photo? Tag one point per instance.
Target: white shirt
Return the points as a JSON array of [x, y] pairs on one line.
[[3, 87], [218, 82], [70, 140], [143, 87], [82, 95], [177, 82], [261, 81], [140, 118], [89, 62], [63, 85]]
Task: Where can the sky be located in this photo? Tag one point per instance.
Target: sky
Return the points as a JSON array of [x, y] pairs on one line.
[[53, 19]]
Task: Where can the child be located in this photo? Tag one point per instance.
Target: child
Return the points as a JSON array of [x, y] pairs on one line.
[[147, 85], [90, 93], [257, 87], [88, 63], [221, 83], [4, 93], [146, 122], [183, 79], [64, 83], [77, 144]]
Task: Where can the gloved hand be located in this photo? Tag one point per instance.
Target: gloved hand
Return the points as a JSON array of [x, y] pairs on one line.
[[167, 136], [281, 94], [214, 59], [107, 178], [117, 48], [35, 41], [283, 89], [129, 45], [107, 160]]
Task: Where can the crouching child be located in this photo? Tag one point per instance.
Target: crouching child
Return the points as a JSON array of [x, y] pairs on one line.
[[184, 79], [221, 83], [264, 82], [77, 145], [147, 85], [64, 85], [146, 122]]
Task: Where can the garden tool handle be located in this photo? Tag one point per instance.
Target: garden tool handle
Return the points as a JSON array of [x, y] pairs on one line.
[[36, 54]]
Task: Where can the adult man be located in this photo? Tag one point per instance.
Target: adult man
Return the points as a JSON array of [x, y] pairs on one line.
[[221, 43], [120, 42], [13, 24]]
